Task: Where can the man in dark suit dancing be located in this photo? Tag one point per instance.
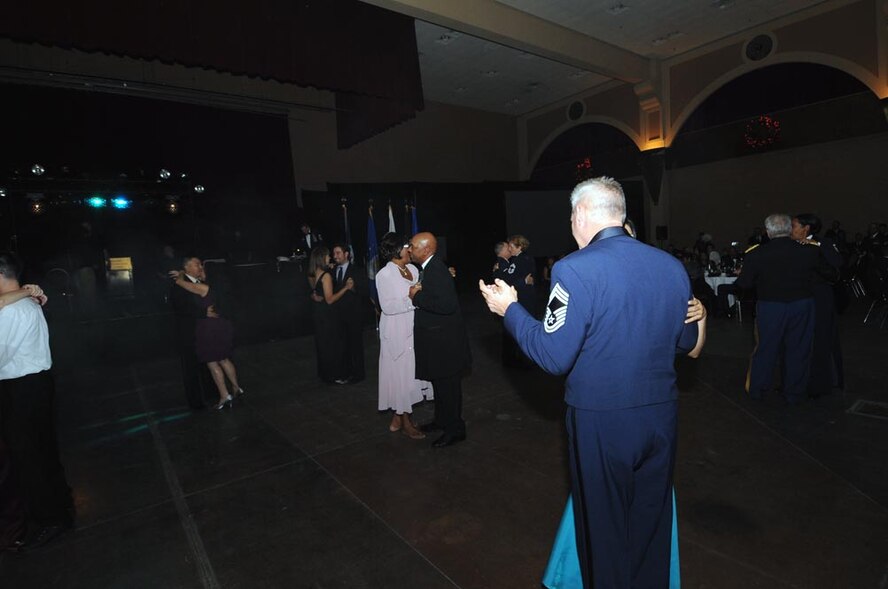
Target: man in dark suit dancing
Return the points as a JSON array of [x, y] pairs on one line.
[[187, 309], [350, 312], [440, 339]]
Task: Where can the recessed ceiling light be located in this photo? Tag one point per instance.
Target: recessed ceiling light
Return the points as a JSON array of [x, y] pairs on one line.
[[616, 9], [490, 74], [722, 4], [578, 74], [461, 90]]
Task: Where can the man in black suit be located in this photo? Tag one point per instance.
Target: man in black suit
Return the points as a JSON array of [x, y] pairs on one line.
[[309, 239], [440, 339], [350, 311], [187, 309]]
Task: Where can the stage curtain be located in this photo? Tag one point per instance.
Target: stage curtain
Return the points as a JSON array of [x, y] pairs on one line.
[[345, 46]]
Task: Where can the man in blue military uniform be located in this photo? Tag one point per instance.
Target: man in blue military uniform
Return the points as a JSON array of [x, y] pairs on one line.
[[614, 320], [783, 272]]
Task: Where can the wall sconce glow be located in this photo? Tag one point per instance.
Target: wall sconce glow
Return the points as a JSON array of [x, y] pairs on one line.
[[37, 207], [96, 202], [120, 202], [199, 189]]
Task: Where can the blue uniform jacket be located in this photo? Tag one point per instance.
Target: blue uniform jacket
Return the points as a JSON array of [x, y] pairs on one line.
[[614, 322]]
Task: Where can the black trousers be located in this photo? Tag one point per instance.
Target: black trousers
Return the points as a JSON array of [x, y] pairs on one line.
[[27, 419], [193, 373], [448, 404], [826, 354], [621, 464], [12, 506], [353, 338]]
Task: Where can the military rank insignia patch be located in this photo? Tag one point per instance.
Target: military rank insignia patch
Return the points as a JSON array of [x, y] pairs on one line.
[[556, 310]]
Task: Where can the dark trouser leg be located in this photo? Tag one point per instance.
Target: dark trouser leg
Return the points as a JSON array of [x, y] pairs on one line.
[[770, 323], [621, 473], [12, 506], [798, 338], [355, 342], [29, 432], [821, 376], [191, 376], [723, 291], [448, 404]]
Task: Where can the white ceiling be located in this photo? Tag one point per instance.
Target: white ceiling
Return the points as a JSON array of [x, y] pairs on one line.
[[469, 71]]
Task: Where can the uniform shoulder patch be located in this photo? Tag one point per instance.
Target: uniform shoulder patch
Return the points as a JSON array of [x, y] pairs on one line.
[[749, 249], [556, 309]]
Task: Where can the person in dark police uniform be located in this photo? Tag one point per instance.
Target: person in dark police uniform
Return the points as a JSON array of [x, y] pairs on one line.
[[826, 355], [614, 321], [783, 272]]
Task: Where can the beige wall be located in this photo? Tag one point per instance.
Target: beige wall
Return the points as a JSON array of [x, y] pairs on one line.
[[845, 180]]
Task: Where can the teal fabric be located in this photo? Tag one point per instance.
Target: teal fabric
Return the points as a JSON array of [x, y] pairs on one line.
[[563, 570]]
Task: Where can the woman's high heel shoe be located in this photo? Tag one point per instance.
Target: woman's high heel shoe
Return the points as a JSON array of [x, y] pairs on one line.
[[223, 404], [238, 392]]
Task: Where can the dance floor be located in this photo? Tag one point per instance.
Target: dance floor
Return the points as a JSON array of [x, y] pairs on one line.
[[302, 485]]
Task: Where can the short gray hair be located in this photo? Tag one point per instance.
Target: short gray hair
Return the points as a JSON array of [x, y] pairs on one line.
[[778, 225], [499, 247], [603, 197]]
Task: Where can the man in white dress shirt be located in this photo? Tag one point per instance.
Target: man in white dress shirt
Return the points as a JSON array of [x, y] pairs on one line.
[[27, 412]]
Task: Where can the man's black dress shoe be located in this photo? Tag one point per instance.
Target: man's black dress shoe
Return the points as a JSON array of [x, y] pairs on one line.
[[430, 427], [448, 440]]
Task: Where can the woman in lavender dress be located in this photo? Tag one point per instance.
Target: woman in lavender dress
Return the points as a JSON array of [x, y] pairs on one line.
[[399, 389]]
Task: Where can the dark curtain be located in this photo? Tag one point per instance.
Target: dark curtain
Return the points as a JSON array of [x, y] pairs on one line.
[[341, 45]]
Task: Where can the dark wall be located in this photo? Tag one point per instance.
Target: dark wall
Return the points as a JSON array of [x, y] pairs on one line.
[[242, 159]]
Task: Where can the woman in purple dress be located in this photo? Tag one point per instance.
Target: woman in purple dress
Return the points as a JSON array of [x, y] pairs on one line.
[[399, 389], [214, 335]]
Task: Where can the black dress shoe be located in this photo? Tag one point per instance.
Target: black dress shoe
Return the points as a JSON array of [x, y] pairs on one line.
[[430, 427], [448, 440]]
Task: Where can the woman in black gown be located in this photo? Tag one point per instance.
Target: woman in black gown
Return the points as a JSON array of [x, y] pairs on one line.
[[214, 334], [327, 337]]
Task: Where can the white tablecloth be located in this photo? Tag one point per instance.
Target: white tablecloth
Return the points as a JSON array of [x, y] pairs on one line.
[[715, 281]]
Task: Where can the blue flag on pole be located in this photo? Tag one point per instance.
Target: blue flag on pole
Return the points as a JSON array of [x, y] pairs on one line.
[[415, 223]]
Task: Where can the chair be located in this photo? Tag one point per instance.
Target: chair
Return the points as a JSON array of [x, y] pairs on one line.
[[878, 287]]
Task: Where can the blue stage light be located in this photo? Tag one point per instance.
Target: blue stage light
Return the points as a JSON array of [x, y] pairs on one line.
[[120, 202], [96, 202]]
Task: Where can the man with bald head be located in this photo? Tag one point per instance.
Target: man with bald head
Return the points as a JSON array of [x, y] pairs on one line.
[[441, 343], [614, 322]]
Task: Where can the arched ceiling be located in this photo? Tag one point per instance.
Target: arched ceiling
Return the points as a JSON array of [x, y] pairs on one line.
[[515, 56]]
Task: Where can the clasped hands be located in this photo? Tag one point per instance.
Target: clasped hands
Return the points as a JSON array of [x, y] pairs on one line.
[[36, 293], [498, 295]]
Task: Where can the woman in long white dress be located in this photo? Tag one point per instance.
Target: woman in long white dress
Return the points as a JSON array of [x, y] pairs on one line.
[[399, 389]]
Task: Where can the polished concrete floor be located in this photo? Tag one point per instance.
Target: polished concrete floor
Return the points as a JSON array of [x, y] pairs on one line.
[[302, 485]]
